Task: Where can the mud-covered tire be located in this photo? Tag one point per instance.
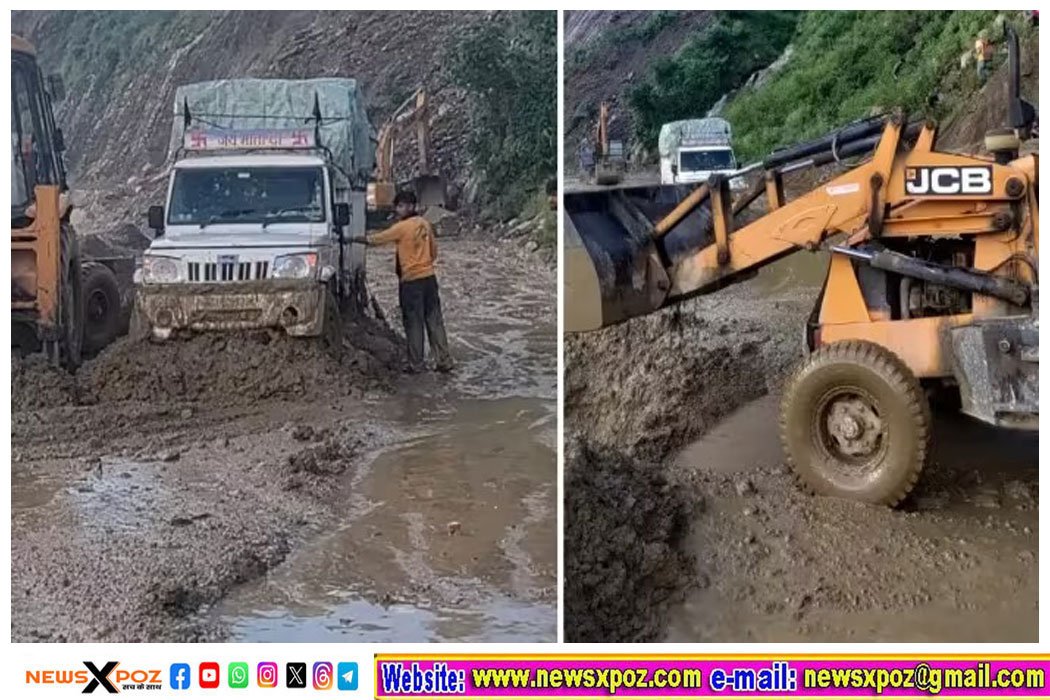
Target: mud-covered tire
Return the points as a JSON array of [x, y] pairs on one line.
[[855, 423], [101, 306]]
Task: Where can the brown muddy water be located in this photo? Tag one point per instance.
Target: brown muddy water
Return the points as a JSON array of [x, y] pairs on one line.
[[448, 537]]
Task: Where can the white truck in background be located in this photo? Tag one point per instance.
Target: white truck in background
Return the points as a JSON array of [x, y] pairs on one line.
[[266, 189], [692, 150]]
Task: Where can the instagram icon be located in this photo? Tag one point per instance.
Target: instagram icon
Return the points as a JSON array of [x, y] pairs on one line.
[[323, 675], [267, 674]]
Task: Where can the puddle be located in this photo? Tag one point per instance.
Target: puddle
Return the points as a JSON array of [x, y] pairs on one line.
[[448, 537], [110, 497], [745, 439], [358, 620]]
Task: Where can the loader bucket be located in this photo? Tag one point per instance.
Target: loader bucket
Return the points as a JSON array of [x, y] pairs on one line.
[[431, 190], [615, 268]]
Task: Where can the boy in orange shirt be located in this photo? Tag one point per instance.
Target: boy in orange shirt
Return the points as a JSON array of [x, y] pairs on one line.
[[417, 284]]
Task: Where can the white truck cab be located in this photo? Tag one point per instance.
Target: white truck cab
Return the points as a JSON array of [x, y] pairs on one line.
[[255, 232], [692, 150]]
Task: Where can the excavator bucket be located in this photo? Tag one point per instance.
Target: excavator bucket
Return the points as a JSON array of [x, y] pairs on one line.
[[611, 166], [608, 172], [431, 190], [615, 267]]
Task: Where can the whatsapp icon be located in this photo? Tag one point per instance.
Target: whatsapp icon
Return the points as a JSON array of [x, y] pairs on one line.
[[238, 674]]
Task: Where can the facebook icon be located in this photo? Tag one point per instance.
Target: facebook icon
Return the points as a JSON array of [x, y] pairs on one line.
[[180, 676]]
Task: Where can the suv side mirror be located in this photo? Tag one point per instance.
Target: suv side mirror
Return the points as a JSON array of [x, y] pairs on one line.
[[60, 141], [342, 214], [56, 87], [156, 218]]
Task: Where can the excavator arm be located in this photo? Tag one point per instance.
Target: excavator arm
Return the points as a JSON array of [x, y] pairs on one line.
[[410, 114]]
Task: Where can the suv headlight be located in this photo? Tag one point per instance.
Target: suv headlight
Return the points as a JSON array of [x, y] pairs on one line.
[[298, 266], [158, 269]]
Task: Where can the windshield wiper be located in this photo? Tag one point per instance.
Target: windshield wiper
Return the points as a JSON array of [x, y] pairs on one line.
[[277, 215], [217, 218]]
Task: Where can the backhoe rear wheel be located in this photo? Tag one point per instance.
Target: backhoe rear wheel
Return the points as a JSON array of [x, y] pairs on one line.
[[855, 423]]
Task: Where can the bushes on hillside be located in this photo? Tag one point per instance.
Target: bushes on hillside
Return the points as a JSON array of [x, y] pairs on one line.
[[848, 64], [509, 69], [718, 60]]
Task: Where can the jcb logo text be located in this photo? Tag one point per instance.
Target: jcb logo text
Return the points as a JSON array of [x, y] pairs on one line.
[[969, 180]]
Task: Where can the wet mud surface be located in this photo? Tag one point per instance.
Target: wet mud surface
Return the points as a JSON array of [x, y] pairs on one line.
[[958, 562], [689, 398], [255, 487]]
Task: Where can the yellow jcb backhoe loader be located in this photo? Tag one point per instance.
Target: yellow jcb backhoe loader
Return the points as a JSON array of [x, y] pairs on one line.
[[58, 305], [932, 280], [47, 308]]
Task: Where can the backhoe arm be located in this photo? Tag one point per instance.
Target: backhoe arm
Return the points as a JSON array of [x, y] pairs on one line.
[[650, 247]]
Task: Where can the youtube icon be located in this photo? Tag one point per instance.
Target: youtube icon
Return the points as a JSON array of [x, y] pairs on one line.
[[209, 674]]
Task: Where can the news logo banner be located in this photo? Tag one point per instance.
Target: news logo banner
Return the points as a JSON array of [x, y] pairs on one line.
[[554, 676], [108, 677]]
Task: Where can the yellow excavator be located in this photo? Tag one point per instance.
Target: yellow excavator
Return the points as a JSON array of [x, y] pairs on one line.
[[610, 163], [430, 189], [932, 282]]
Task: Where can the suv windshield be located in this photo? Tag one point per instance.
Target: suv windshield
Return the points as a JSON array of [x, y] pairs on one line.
[[692, 161], [247, 195]]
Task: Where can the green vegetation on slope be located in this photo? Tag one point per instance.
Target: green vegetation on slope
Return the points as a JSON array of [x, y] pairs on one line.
[[103, 43], [715, 62], [846, 65], [509, 68]]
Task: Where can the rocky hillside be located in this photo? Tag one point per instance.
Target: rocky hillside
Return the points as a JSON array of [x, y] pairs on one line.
[[121, 70], [606, 53]]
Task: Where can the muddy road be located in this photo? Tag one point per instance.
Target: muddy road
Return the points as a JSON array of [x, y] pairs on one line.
[[679, 411], [958, 563], [255, 488]]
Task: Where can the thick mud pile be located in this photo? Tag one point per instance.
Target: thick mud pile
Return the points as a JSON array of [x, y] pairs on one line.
[[635, 393], [651, 385], [35, 383], [625, 526], [219, 368]]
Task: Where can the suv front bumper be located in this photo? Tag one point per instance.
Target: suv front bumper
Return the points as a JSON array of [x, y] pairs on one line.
[[297, 306]]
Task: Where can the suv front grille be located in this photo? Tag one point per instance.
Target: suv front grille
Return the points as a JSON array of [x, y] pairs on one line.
[[228, 271]]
